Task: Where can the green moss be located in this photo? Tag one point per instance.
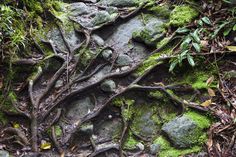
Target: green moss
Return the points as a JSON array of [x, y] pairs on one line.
[[202, 121], [160, 10], [58, 131], [152, 61], [163, 42], [182, 15], [197, 79], [127, 105], [168, 151], [33, 6], [156, 94], [130, 142]]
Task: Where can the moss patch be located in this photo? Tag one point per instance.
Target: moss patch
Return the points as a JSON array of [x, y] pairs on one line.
[[168, 151], [182, 15], [130, 142], [197, 79]]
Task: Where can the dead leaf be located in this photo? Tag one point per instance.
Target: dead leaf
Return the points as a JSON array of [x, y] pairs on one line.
[[231, 48], [206, 103], [211, 92], [210, 80]]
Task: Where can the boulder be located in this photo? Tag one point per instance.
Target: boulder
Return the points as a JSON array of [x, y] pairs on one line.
[[182, 131]]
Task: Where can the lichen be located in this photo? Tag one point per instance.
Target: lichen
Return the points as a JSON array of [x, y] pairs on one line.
[[167, 150], [182, 15]]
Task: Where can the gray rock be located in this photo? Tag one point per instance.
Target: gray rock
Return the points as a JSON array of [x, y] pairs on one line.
[[107, 54], [87, 128], [100, 18], [120, 3], [59, 84], [80, 108], [108, 86], [140, 146], [182, 131], [108, 129], [123, 60], [4, 153], [78, 9], [154, 149], [98, 40]]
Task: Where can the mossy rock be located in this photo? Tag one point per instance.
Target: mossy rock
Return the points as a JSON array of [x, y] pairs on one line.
[[152, 33], [187, 130]]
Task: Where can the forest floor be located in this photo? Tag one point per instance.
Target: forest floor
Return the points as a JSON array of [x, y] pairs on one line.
[[117, 78]]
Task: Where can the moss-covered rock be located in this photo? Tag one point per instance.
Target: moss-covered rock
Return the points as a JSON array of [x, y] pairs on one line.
[[187, 130], [152, 32]]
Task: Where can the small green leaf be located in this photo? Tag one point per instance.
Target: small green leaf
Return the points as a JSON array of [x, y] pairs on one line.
[[190, 60], [184, 53], [197, 47], [182, 30], [206, 20], [227, 31], [195, 36], [200, 23], [185, 43], [234, 28], [173, 65]]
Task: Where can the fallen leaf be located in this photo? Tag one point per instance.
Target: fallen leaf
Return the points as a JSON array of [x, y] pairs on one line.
[[206, 103], [46, 146], [210, 80], [211, 92], [231, 48]]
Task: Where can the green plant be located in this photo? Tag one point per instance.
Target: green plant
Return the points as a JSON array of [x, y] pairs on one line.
[[191, 43]]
